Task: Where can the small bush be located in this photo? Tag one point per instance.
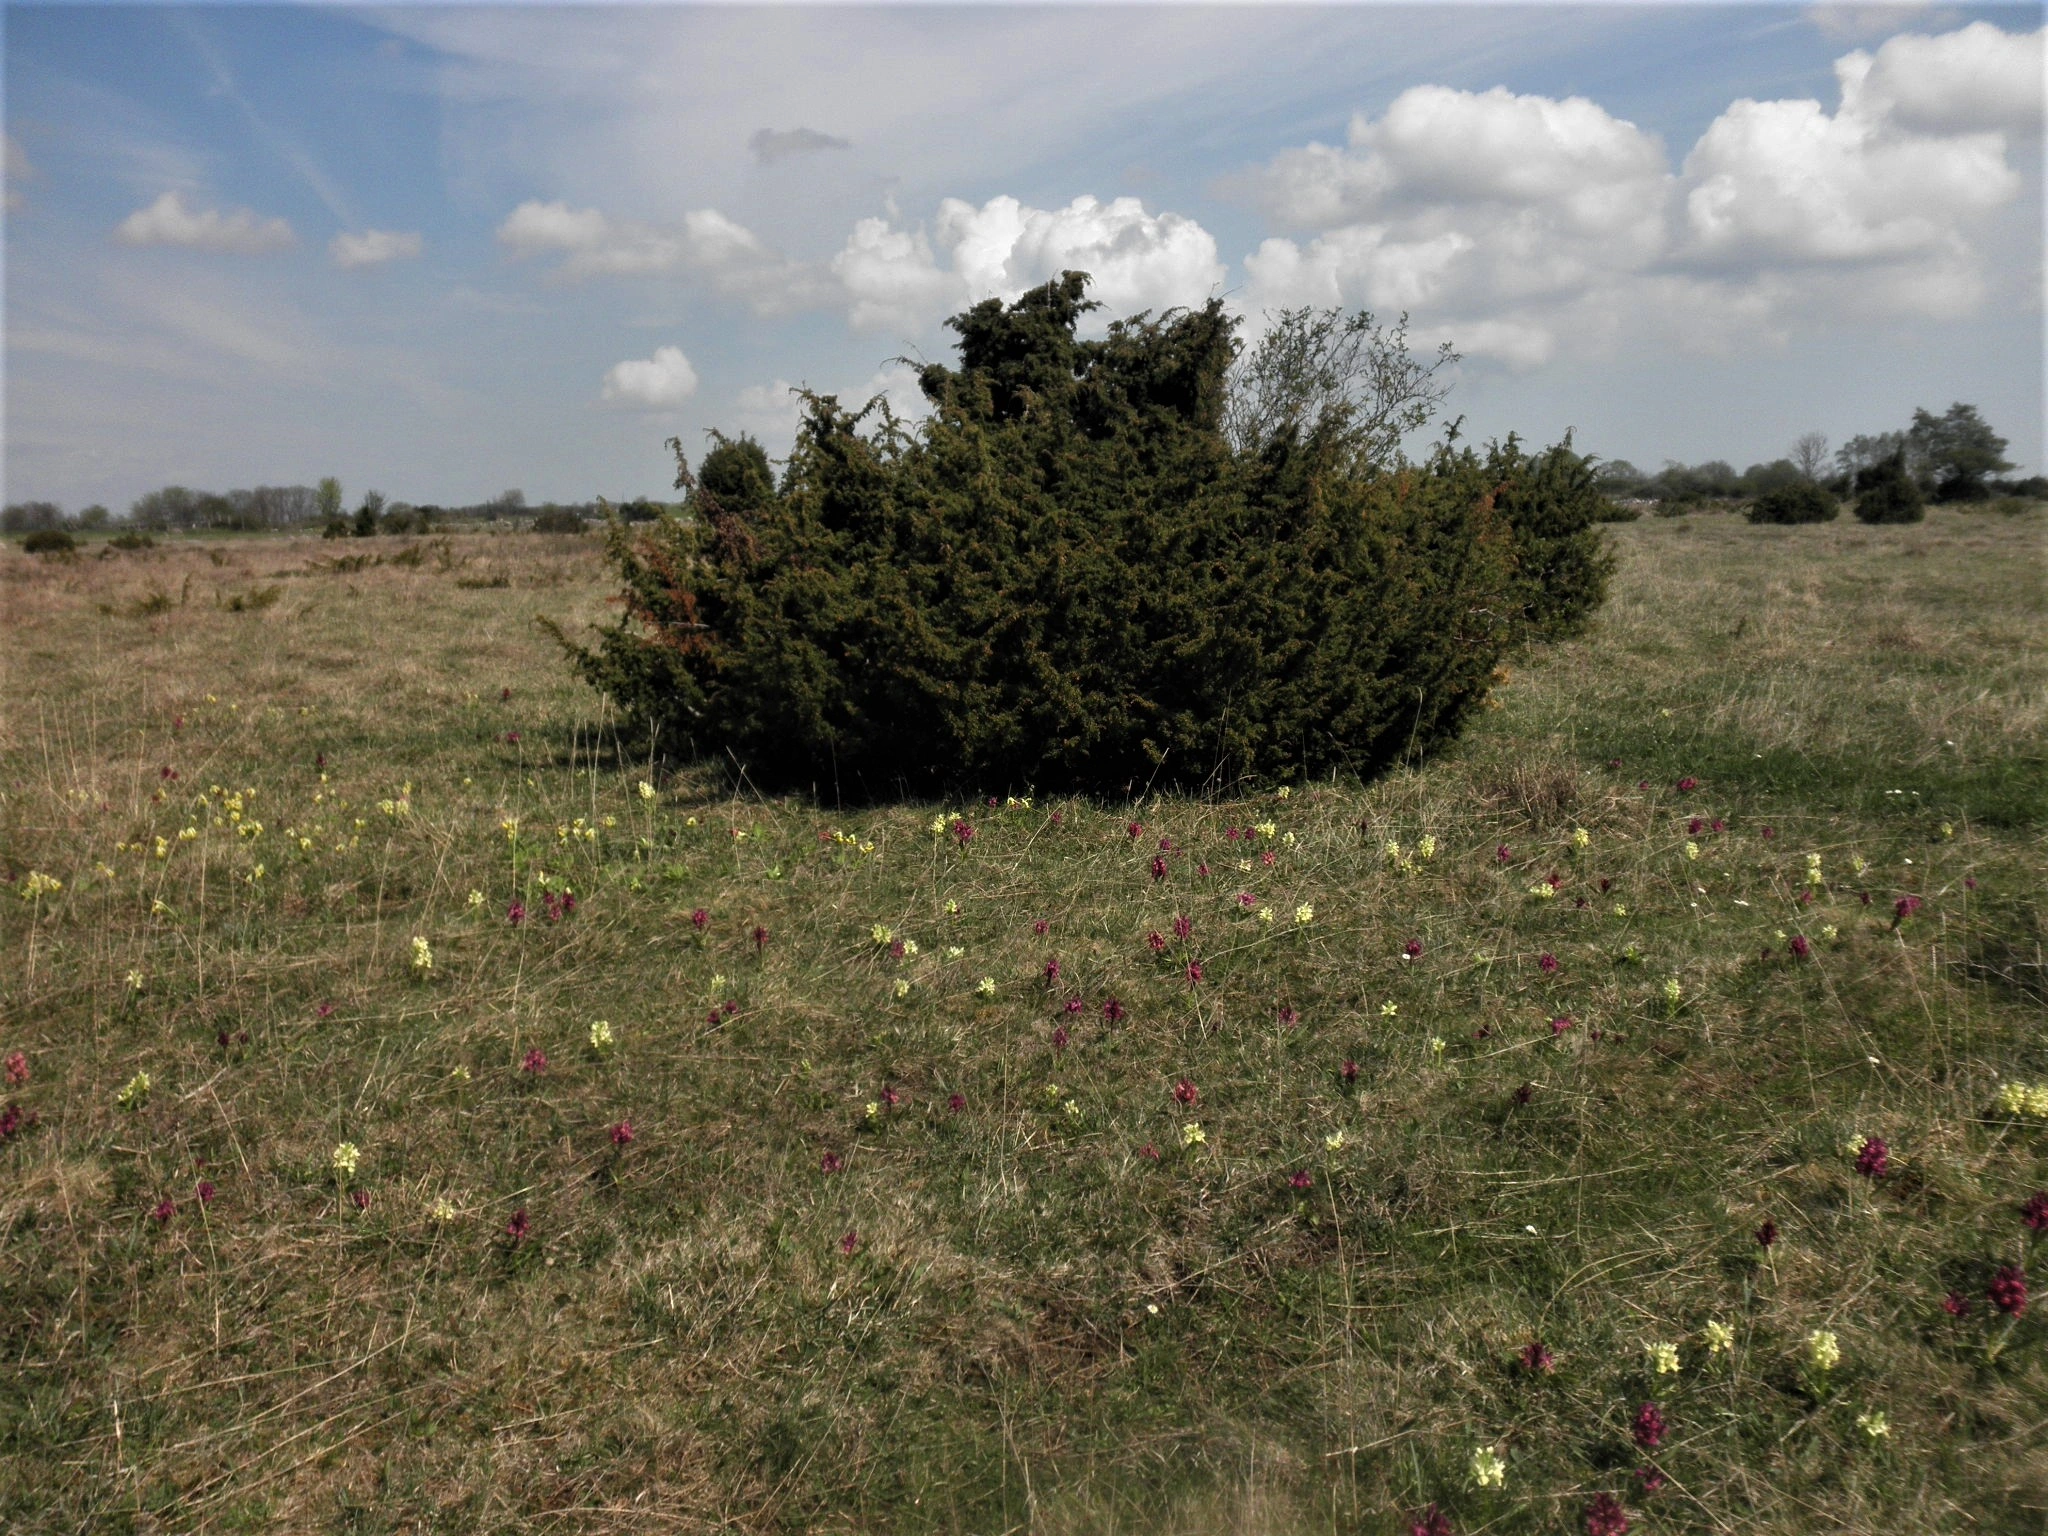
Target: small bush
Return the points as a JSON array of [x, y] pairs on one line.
[[557, 520], [49, 541], [1068, 579], [1799, 502], [131, 540], [1885, 493]]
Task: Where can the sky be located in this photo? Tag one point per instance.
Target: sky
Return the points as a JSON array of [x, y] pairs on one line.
[[445, 251]]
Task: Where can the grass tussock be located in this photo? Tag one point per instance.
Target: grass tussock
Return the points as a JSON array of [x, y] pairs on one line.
[[962, 1168]]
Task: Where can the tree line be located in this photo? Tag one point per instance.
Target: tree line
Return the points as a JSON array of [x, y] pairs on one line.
[[1952, 457], [182, 509]]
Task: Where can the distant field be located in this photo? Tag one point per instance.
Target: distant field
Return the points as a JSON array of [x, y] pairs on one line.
[[957, 1168]]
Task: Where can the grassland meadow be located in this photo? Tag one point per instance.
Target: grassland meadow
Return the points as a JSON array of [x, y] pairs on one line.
[[423, 1114]]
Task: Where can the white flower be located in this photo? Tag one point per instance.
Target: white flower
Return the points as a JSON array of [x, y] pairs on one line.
[[135, 981], [1334, 1142], [902, 987], [1823, 1350], [135, 1094], [601, 1035], [1192, 1135], [1427, 847], [1265, 914], [1663, 1358], [1720, 1337], [1305, 912], [344, 1158], [442, 1211], [986, 987], [1692, 850], [1488, 1470], [1872, 1422], [422, 956], [881, 933], [646, 790], [476, 899], [1581, 837]]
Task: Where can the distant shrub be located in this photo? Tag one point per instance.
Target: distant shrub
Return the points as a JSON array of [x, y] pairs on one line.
[[337, 528], [1068, 579], [49, 541], [557, 520], [129, 539], [1800, 501], [1885, 493], [1613, 511]]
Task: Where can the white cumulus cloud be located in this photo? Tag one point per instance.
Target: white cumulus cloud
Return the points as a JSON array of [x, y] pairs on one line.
[[595, 245], [1516, 224], [1789, 181], [372, 247], [1136, 260], [167, 221], [1973, 79], [660, 382]]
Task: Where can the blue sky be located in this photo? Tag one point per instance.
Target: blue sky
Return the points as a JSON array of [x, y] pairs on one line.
[[444, 251]]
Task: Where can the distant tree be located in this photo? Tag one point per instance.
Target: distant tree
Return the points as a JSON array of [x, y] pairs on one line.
[[1760, 479], [1618, 478], [1955, 452], [31, 517], [736, 473], [1859, 453], [367, 514], [1353, 377], [171, 507], [1810, 453], [1886, 493], [1716, 478], [1798, 500], [508, 504], [329, 499], [94, 516]]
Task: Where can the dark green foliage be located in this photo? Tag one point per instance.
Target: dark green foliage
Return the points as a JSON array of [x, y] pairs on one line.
[[1885, 493], [553, 519], [1068, 579], [737, 474], [1956, 451], [49, 541], [131, 540], [31, 517], [1561, 566], [1797, 501]]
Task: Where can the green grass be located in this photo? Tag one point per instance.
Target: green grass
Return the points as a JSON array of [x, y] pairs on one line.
[[1039, 1327]]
